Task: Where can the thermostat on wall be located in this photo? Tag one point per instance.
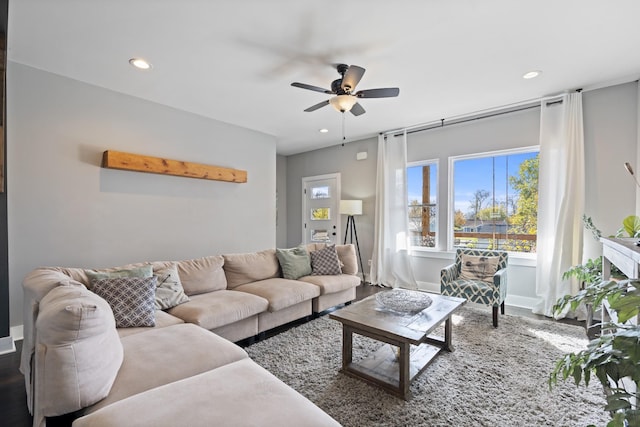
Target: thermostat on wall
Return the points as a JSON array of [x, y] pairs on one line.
[[361, 155]]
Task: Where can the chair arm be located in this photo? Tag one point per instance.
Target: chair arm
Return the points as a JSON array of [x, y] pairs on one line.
[[448, 274], [500, 282], [500, 278]]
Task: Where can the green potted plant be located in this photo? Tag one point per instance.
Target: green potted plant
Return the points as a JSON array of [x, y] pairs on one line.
[[612, 356], [615, 354]]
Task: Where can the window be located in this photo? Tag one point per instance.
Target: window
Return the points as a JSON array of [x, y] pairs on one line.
[[495, 201], [422, 186]]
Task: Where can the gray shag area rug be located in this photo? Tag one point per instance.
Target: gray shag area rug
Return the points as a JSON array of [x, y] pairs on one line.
[[495, 377]]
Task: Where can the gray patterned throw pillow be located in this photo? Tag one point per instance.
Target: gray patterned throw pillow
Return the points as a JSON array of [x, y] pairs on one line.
[[325, 262], [132, 299]]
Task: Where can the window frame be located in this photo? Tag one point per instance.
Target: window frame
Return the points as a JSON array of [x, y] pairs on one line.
[[436, 162], [451, 184]]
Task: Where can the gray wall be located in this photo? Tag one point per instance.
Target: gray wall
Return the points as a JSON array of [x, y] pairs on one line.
[[610, 138], [281, 207], [65, 210], [610, 123], [358, 181]]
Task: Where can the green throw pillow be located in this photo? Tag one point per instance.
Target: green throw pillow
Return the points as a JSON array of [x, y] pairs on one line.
[[294, 262], [142, 272]]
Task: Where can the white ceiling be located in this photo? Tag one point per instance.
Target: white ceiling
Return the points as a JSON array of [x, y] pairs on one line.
[[234, 60]]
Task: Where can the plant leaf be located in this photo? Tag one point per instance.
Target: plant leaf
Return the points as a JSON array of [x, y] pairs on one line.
[[631, 225]]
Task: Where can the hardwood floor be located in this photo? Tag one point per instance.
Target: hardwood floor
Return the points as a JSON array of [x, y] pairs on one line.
[[12, 392], [13, 398]]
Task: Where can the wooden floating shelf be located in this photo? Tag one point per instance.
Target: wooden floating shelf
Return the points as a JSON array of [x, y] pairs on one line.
[[136, 162]]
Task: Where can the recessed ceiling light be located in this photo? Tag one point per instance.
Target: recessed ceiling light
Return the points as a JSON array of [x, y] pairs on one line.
[[323, 130], [140, 63], [531, 74]]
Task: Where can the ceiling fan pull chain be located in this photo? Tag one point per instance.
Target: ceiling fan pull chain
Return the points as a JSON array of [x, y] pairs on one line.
[[343, 137]]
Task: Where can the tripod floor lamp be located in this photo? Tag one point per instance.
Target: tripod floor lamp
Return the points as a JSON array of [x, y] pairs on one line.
[[352, 208]]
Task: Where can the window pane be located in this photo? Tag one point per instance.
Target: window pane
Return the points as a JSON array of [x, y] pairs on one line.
[[318, 214], [422, 188], [320, 236], [496, 202], [320, 192]]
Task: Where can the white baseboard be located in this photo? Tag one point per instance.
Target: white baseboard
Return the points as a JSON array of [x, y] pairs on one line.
[[7, 345], [429, 287], [17, 332], [520, 301]]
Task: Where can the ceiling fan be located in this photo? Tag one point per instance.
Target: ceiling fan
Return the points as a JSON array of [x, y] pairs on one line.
[[343, 88]]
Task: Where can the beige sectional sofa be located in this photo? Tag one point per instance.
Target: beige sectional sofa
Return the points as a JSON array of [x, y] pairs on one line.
[[76, 359]]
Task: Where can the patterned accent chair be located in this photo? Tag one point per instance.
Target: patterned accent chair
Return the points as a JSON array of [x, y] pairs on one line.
[[478, 291]]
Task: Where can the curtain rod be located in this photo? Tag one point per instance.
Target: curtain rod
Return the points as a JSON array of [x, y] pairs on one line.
[[526, 105], [444, 123]]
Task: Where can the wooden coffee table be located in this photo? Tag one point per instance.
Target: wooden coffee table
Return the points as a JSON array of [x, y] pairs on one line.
[[386, 368]]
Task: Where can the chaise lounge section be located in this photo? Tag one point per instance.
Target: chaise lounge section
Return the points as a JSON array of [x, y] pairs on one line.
[[178, 369]]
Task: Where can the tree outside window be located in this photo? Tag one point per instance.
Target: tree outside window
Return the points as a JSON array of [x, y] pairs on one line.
[[422, 191]]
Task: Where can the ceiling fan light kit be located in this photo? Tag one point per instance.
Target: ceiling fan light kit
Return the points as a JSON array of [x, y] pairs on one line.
[[345, 99], [343, 103]]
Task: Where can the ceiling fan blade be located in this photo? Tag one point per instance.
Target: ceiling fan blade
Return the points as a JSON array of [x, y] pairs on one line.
[[387, 92], [318, 105], [352, 77], [310, 87], [357, 109]]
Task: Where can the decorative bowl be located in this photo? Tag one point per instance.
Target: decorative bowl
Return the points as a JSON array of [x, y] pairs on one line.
[[403, 300]]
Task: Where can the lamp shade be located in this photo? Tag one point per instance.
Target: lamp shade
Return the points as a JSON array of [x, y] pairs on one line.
[[351, 207], [343, 103]]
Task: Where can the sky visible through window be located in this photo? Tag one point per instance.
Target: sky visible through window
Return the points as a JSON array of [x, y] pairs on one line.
[[471, 175], [414, 183]]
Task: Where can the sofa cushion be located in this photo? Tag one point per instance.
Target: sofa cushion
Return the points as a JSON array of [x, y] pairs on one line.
[[294, 262], [281, 293], [78, 352], [132, 299], [215, 309], [162, 356], [332, 284], [141, 271], [169, 292], [246, 268], [325, 261], [202, 275], [163, 319], [348, 258], [239, 394]]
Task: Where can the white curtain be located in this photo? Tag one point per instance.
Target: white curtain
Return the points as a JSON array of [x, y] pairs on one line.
[[560, 198], [390, 264]]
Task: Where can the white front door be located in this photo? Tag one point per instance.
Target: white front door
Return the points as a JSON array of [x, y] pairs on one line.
[[320, 202]]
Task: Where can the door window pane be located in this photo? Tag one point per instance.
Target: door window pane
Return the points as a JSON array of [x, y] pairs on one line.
[[320, 192], [319, 214], [320, 236]]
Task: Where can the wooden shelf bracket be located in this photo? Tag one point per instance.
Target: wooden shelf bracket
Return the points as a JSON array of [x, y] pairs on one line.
[[139, 163]]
